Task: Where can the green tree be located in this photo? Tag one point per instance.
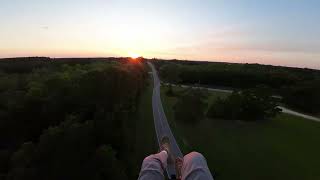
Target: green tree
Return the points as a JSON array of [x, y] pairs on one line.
[[249, 105], [190, 106]]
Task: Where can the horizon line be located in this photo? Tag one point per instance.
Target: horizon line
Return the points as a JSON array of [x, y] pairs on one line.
[[165, 59]]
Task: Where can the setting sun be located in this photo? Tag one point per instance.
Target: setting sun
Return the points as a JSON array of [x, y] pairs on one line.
[[134, 55]]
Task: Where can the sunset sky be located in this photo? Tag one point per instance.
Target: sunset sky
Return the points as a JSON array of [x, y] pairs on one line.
[[279, 32]]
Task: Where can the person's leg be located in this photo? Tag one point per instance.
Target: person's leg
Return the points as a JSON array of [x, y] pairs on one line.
[[153, 166], [195, 167]]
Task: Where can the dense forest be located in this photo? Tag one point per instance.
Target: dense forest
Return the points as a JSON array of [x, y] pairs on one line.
[[300, 88], [68, 118]]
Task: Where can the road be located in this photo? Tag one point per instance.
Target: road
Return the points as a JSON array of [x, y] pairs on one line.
[[199, 87], [160, 121], [289, 111], [283, 109]]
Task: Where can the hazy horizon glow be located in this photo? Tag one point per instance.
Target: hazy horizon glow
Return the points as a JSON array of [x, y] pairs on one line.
[[278, 32]]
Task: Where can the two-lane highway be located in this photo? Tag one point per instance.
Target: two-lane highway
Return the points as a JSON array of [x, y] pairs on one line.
[[160, 121]]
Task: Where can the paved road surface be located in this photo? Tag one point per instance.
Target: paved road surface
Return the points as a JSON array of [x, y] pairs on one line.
[[288, 111], [160, 121], [199, 87]]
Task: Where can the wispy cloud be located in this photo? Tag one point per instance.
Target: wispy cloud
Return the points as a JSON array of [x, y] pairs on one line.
[[45, 27]]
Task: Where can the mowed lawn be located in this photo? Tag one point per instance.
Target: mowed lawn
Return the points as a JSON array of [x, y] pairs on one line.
[[286, 147]]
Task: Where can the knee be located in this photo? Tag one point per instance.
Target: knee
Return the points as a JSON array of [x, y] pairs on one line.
[[194, 155], [194, 158], [148, 158], [192, 162]]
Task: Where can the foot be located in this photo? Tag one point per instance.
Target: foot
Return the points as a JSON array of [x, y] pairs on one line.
[[179, 163], [165, 146]]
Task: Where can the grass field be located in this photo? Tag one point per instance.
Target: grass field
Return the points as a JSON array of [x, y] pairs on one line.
[[286, 147]]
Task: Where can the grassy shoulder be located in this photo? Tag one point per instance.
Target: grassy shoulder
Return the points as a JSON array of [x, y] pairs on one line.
[[144, 137], [285, 147]]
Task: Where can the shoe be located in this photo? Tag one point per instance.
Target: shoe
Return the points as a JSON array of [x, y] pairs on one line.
[[165, 146]]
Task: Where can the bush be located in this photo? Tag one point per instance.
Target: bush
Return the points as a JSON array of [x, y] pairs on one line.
[[170, 92], [190, 106], [248, 105]]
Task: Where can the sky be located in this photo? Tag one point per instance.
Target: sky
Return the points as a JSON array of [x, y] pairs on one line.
[[278, 32]]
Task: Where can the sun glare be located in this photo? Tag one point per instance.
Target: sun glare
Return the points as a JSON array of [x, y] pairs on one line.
[[134, 55]]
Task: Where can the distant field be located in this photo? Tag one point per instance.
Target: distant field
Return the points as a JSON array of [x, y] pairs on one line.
[[285, 147]]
